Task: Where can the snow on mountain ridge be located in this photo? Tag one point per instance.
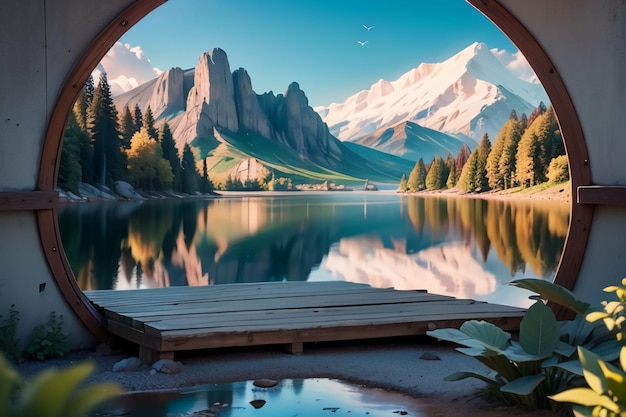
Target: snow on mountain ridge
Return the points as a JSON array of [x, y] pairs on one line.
[[448, 96]]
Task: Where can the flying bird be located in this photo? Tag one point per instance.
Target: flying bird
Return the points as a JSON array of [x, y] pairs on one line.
[[362, 43], [369, 27]]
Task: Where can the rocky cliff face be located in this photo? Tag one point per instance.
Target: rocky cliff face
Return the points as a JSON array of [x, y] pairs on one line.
[[221, 109], [167, 95], [213, 93], [249, 112]]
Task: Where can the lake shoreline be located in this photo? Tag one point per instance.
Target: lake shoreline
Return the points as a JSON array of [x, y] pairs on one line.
[[559, 192]]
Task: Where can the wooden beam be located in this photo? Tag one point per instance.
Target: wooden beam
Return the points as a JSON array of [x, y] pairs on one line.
[[601, 194], [28, 200]]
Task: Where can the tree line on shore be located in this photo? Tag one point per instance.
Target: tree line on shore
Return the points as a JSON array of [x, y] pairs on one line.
[[528, 151], [101, 147]]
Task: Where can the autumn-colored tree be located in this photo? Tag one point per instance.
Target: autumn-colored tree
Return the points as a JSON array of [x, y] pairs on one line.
[[558, 170], [146, 165], [541, 109], [461, 159], [507, 164], [539, 144]]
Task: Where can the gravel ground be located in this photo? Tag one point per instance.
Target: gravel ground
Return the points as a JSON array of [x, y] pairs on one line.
[[403, 365]]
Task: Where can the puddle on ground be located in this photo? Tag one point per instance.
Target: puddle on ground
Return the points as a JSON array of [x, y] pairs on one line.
[[291, 397]]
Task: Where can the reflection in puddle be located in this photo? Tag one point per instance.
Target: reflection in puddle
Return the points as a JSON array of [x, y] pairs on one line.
[[291, 397]]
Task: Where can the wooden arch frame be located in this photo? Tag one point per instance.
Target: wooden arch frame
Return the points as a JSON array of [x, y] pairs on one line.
[[43, 200]]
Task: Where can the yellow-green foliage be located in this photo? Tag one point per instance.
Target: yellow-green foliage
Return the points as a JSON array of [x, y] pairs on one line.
[[52, 393]]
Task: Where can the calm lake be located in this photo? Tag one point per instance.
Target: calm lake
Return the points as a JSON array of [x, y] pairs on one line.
[[467, 248]]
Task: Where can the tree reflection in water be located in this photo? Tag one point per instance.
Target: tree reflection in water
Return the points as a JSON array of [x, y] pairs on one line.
[[459, 246]]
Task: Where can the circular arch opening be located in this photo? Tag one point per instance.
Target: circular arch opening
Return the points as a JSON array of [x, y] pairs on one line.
[[571, 129]]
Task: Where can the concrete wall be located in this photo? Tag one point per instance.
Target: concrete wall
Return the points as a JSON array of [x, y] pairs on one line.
[[585, 40], [41, 41]]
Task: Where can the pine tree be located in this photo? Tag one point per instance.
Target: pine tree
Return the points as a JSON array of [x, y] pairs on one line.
[[483, 151], [541, 109], [82, 104], [402, 187], [417, 177], [103, 128], [206, 184], [494, 178], [137, 118], [189, 173], [435, 179], [461, 159], [538, 146], [148, 123], [469, 181], [170, 153], [507, 163], [127, 127], [451, 168], [70, 171]]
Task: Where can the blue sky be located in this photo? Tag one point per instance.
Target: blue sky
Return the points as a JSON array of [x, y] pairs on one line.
[[313, 42]]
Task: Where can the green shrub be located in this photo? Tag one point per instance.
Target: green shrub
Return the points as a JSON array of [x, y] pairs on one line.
[[545, 359], [47, 340], [9, 343]]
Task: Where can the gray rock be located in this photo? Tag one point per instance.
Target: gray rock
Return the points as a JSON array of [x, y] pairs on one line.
[[127, 365], [265, 383], [167, 366]]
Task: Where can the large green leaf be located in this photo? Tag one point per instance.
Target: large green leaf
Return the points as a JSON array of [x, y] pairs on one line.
[[456, 336], [516, 353], [575, 367], [592, 370], [586, 397], [458, 376], [553, 292], [524, 385], [539, 330], [487, 334]]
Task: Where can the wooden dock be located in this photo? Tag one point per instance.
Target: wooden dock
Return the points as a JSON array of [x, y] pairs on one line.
[[165, 320]]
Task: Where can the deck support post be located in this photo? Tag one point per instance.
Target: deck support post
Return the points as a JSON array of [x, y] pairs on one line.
[[150, 356], [294, 348]]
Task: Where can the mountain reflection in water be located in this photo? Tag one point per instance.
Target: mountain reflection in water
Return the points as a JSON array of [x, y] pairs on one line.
[[455, 246]]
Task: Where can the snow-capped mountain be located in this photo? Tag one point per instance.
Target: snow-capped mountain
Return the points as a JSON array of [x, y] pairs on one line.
[[471, 93]]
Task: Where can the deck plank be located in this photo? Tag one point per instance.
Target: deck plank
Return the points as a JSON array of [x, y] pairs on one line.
[[165, 320]]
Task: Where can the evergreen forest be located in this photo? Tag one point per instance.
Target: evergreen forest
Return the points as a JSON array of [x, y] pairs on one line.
[[528, 151]]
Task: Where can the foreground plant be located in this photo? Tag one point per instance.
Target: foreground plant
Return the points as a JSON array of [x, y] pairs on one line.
[[605, 394], [545, 359], [52, 393]]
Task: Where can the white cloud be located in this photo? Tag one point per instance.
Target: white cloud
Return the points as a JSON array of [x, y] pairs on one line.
[[517, 64], [127, 67]]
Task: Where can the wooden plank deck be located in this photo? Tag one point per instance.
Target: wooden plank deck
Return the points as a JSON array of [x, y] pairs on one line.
[[165, 320]]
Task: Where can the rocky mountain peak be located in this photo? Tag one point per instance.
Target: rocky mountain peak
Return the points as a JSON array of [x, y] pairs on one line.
[[213, 93]]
